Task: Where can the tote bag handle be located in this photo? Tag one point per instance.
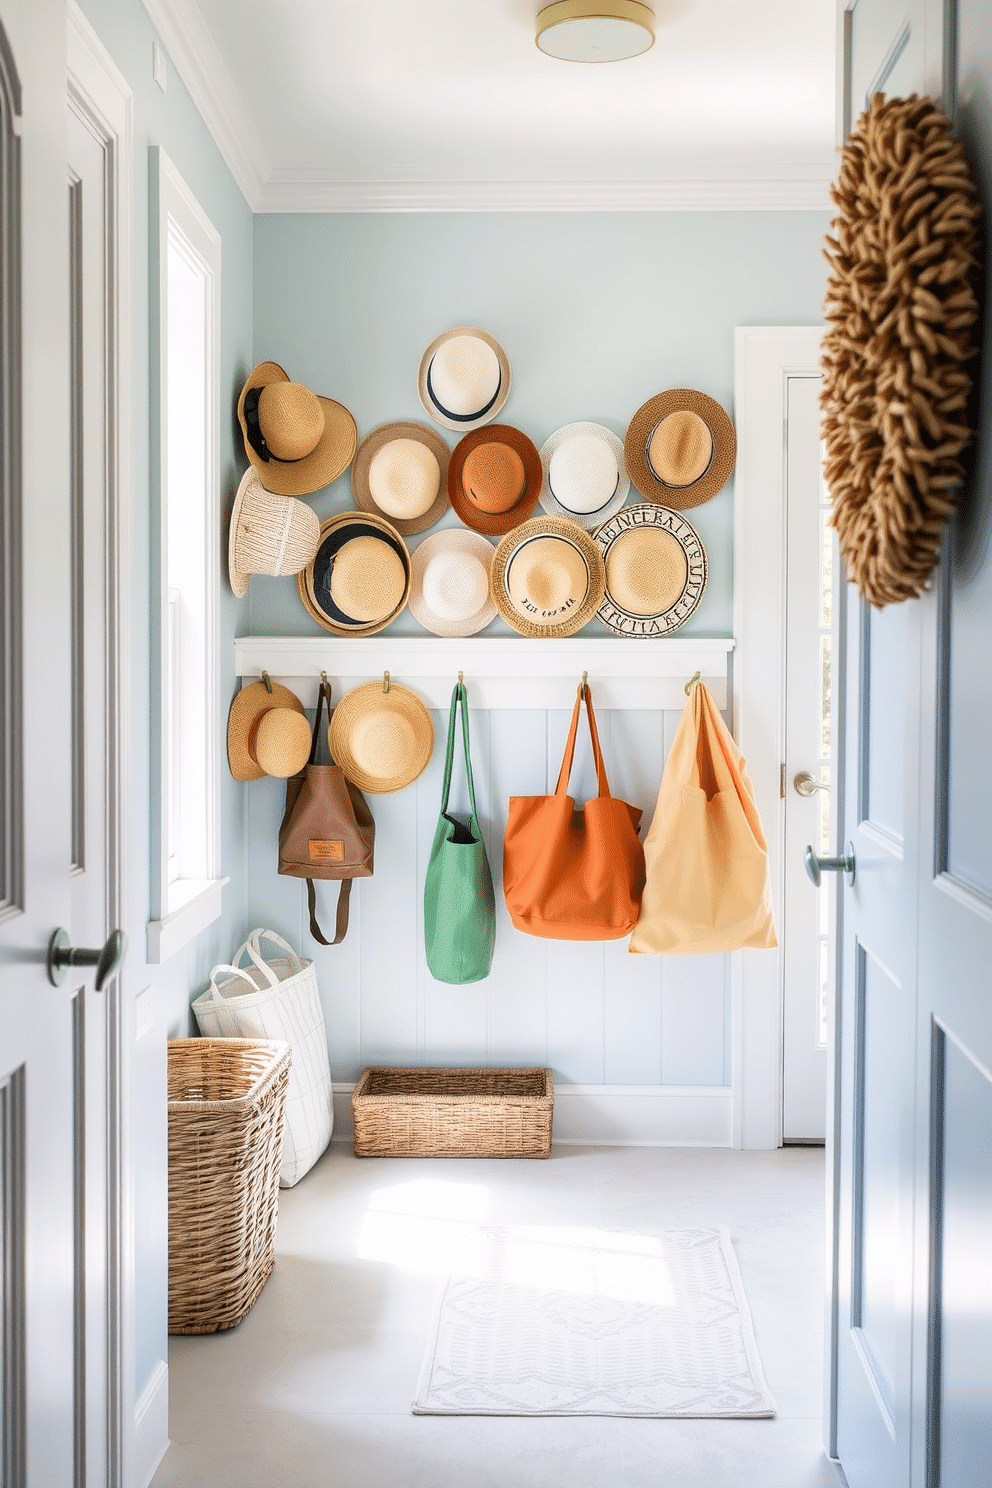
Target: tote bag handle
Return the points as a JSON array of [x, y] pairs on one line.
[[459, 697], [582, 691], [253, 947]]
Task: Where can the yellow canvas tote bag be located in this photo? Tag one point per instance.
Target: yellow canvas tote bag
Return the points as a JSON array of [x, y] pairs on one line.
[[707, 883]]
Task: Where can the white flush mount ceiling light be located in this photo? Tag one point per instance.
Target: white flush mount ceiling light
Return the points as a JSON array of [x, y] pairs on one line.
[[595, 30]]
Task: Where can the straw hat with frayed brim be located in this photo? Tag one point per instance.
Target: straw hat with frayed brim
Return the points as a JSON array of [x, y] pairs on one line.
[[359, 579], [382, 739], [680, 448], [401, 473], [494, 478], [547, 577], [297, 440], [267, 733], [464, 378], [656, 570], [269, 534], [449, 593], [585, 479]]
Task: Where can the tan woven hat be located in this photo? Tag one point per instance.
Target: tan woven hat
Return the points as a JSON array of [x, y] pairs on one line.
[[359, 579], [494, 478], [267, 733], [269, 534], [585, 478], [680, 448], [656, 570], [297, 440], [547, 577], [382, 736], [449, 591], [464, 378], [401, 473]]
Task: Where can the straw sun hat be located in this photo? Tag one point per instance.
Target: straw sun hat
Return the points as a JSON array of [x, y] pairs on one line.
[[401, 473], [655, 570], [547, 577], [585, 478], [296, 440], [382, 737], [449, 592], [680, 448], [494, 478], [464, 378], [359, 579], [269, 534], [267, 733]]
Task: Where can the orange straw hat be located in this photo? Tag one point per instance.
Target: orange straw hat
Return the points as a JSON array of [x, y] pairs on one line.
[[267, 732], [680, 448], [401, 473], [359, 579], [656, 570], [547, 577], [297, 440], [494, 478], [464, 378]]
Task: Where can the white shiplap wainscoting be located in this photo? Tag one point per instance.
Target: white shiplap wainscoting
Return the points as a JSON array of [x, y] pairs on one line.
[[640, 1045]]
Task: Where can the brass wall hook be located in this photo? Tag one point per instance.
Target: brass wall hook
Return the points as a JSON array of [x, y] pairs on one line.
[[385, 681], [584, 684], [692, 682], [268, 682]]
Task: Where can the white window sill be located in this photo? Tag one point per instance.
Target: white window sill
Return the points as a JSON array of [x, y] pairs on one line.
[[194, 903]]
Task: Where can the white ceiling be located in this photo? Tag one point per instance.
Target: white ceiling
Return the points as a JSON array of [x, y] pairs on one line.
[[386, 104]]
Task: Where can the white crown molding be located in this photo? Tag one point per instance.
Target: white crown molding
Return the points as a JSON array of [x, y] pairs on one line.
[[200, 63]]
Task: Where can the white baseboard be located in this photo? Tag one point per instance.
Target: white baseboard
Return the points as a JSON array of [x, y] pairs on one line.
[[151, 1425], [618, 1115]]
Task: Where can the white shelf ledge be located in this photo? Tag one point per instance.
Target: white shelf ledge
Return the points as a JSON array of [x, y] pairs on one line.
[[500, 673]]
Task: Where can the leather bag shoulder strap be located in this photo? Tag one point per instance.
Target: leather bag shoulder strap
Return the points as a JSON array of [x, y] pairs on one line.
[[341, 922]]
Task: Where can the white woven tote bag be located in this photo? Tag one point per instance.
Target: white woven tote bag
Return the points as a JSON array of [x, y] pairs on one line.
[[276, 998]]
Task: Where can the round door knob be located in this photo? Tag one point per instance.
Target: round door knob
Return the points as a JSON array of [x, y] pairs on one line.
[[804, 784], [62, 954], [815, 865]]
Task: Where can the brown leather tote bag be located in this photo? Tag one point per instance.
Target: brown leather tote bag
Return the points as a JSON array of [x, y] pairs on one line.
[[573, 873], [327, 830]]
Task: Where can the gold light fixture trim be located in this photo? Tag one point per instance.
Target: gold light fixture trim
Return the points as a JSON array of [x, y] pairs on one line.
[[595, 30]]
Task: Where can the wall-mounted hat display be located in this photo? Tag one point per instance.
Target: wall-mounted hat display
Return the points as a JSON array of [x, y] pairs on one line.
[[449, 592], [269, 534], [464, 378], [267, 732], [359, 579], [547, 577], [494, 478], [585, 478], [656, 570], [680, 448], [382, 736], [401, 473], [297, 440]]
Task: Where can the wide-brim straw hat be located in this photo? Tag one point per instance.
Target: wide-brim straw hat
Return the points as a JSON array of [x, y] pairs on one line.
[[449, 592], [359, 578], [297, 440], [382, 736], [585, 479], [680, 448], [464, 378], [267, 733], [656, 570], [494, 478], [547, 577], [269, 534], [401, 473]]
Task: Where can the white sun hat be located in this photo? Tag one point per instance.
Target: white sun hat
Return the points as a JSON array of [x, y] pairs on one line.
[[449, 590], [464, 378], [585, 478]]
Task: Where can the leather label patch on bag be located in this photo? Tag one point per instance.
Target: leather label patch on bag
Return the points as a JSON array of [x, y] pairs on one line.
[[326, 850]]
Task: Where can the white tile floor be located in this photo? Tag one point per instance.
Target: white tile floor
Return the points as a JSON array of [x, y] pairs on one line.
[[313, 1389]]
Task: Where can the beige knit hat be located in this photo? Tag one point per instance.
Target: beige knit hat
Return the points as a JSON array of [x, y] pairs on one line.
[[585, 478], [449, 590], [269, 534], [547, 577], [401, 473], [655, 570], [382, 736], [267, 732], [297, 440], [359, 579], [464, 378], [680, 448]]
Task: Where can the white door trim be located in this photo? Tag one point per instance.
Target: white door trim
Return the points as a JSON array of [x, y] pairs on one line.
[[101, 97], [764, 357]]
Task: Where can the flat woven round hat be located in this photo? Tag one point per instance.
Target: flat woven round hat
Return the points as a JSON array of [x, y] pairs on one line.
[[680, 448], [297, 440], [359, 578], [547, 577], [401, 473], [656, 570], [269, 534], [464, 378], [585, 478], [382, 739], [265, 732], [449, 592], [494, 478]]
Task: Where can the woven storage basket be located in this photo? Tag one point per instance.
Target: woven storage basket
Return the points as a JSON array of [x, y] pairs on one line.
[[453, 1113], [226, 1103]]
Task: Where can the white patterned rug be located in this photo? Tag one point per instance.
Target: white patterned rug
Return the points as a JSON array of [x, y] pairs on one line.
[[579, 1322]]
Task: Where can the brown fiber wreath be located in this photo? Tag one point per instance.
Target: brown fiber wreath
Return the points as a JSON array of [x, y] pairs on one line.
[[900, 309]]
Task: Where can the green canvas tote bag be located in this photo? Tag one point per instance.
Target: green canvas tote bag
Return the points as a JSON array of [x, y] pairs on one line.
[[459, 905]]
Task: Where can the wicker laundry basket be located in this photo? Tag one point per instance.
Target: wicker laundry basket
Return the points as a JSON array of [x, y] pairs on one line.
[[453, 1113], [226, 1103]]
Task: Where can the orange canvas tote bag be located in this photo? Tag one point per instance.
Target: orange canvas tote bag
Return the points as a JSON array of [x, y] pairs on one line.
[[573, 873], [707, 883]]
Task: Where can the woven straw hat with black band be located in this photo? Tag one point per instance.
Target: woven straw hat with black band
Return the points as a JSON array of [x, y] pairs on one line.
[[656, 570], [401, 473], [464, 378], [382, 736], [297, 440], [547, 578], [680, 448], [267, 733], [494, 478], [359, 580]]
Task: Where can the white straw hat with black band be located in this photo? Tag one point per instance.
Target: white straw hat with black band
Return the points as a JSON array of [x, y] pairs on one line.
[[449, 590], [585, 478], [656, 570], [464, 378]]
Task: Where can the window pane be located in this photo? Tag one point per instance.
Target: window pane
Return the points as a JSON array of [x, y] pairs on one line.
[[826, 658]]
